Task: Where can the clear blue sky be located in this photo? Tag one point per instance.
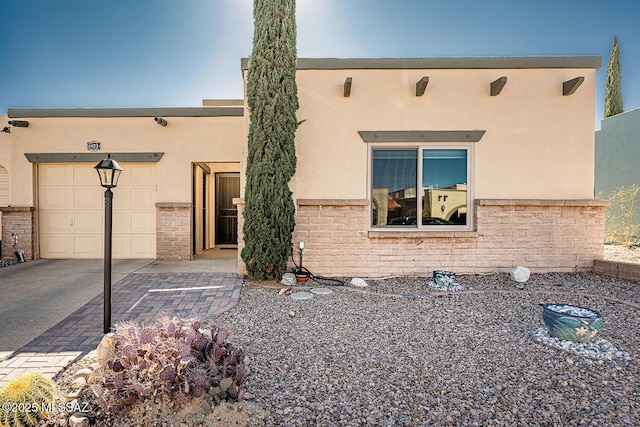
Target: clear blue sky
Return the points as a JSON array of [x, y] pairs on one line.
[[166, 53]]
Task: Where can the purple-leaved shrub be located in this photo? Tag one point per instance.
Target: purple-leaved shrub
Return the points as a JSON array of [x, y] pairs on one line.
[[177, 356]]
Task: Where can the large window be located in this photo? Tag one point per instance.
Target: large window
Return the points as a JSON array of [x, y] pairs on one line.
[[421, 187]]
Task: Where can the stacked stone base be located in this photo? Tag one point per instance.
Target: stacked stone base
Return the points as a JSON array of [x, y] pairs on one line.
[[543, 235], [19, 220]]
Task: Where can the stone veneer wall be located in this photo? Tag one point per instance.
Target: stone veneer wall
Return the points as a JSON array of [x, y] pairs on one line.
[[543, 235], [18, 220], [173, 231]]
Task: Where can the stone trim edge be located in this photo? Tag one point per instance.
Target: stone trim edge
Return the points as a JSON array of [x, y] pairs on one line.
[[542, 202], [173, 205], [17, 209]]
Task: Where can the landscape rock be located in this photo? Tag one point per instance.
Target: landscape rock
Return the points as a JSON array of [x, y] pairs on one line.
[[288, 279], [359, 282], [78, 420], [520, 274], [84, 372]]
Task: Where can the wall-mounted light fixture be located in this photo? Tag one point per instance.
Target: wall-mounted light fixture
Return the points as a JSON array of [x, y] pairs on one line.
[[19, 123], [347, 87], [6, 129], [421, 86], [496, 86], [570, 86], [159, 120]]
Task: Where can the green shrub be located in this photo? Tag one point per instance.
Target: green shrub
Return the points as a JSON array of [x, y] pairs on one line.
[[176, 356], [620, 227], [26, 400]]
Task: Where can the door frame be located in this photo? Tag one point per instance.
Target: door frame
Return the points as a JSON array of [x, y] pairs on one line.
[[200, 176], [216, 209]]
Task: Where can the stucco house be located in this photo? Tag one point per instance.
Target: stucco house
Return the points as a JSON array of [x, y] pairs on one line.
[[404, 166], [617, 153]]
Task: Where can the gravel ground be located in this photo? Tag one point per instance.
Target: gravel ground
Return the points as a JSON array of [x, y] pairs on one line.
[[376, 358], [7, 262], [620, 253]]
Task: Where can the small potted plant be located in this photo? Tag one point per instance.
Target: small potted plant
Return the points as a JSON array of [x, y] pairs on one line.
[[302, 274]]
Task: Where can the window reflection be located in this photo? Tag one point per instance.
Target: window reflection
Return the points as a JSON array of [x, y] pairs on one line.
[[443, 187], [394, 187]]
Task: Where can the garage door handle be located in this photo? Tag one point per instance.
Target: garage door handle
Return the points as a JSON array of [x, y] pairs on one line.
[[71, 222]]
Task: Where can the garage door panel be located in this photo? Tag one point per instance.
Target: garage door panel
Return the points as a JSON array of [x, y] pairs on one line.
[[119, 246], [53, 174], [122, 198], [120, 222], [87, 222], [56, 198], [141, 245], [71, 212], [83, 175], [56, 246], [87, 198], [56, 222], [87, 246]]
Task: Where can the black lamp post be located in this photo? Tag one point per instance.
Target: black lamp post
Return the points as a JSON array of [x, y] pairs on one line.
[[109, 171]]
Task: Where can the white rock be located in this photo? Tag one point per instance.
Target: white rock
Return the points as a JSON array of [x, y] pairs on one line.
[[84, 372], [520, 274], [288, 279], [358, 282], [78, 420]]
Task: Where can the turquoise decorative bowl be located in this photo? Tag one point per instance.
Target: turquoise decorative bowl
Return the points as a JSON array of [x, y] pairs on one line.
[[444, 279], [571, 322]]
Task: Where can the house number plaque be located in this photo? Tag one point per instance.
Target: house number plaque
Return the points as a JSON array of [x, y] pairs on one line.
[[93, 146]]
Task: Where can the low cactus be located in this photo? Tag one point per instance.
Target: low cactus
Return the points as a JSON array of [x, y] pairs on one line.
[[26, 400], [180, 357]]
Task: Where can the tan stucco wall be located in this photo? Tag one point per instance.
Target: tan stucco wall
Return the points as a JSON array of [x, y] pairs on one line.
[[183, 141], [538, 143]]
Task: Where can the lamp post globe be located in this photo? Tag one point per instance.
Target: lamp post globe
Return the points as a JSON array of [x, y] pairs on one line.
[[109, 172]]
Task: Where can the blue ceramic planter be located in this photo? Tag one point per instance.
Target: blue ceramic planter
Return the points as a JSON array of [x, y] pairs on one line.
[[444, 279], [571, 322]]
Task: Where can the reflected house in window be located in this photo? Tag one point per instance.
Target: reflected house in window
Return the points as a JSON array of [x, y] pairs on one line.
[[443, 187], [445, 205]]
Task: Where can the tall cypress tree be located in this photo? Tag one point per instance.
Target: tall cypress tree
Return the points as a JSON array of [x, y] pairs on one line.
[[271, 159], [613, 93]]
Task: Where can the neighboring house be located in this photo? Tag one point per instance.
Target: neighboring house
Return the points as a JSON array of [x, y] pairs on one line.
[[164, 204], [618, 154], [404, 166]]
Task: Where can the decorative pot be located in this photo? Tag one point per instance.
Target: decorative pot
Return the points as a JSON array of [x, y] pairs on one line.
[[301, 275], [444, 279], [571, 322]]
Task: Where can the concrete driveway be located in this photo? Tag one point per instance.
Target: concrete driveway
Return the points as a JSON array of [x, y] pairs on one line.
[[38, 294]]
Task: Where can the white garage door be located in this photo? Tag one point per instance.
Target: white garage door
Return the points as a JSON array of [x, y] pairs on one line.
[[71, 211]]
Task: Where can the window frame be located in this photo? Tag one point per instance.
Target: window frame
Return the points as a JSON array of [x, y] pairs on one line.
[[420, 147]]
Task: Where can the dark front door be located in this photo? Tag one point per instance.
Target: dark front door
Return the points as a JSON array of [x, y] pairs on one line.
[[227, 187]]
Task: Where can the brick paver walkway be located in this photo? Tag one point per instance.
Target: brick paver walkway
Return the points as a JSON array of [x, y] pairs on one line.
[[139, 296]]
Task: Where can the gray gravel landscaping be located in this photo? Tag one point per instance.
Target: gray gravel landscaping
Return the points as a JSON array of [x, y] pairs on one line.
[[402, 354]]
